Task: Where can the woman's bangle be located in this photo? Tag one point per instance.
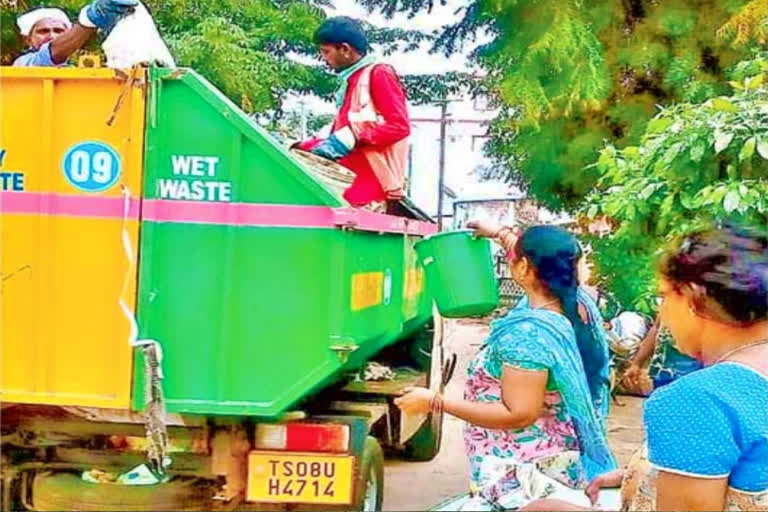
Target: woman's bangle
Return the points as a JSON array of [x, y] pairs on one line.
[[436, 404], [503, 235], [500, 231]]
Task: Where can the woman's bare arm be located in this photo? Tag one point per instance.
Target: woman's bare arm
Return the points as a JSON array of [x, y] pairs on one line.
[[679, 492], [522, 400]]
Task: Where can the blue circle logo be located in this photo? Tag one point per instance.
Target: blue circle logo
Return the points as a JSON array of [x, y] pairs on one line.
[[91, 166]]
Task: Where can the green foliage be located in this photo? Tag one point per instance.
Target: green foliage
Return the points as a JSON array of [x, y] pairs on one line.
[[246, 47], [696, 164], [750, 25], [577, 72]]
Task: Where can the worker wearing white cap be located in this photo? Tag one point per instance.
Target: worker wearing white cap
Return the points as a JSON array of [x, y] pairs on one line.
[[52, 38]]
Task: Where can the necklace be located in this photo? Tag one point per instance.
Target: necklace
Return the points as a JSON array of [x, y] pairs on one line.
[[736, 350], [543, 306]]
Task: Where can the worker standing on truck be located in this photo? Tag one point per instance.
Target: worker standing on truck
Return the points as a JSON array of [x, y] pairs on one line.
[[52, 38], [371, 129]]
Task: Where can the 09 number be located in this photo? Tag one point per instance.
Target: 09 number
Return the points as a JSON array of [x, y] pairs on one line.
[[91, 166]]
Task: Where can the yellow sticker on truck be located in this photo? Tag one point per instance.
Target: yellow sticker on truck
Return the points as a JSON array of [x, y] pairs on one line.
[[414, 283], [367, 290], [300, 478]]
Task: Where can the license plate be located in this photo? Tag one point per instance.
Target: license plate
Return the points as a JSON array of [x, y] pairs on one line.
[[300, 478]]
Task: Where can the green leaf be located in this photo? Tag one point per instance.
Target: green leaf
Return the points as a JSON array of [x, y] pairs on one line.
[[723, 105], [592, 212], [722, 141], [667, 204], [671, 153], [659, 125], [731, 201], [719, 194], [755, 81], [748, 150], [686, 201], [697, 151], [762, 148], [648, 190]]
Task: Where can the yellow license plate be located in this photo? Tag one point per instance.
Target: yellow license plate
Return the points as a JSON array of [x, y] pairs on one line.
[[300, 478]]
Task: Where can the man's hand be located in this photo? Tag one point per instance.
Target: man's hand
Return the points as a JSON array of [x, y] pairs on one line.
[[337, 146], [104, 14]]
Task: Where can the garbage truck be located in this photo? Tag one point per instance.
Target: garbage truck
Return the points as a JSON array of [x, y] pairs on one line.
[[192, 316]]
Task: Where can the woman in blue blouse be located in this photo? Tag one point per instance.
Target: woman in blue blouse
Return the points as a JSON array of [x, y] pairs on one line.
[[707, 444]]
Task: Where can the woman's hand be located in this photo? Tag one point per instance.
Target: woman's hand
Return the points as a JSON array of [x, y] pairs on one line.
[[552, 505], [610, 480], [416, 400], [632, 375], [484, 228]]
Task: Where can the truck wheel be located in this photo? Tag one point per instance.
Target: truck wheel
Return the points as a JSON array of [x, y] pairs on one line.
[[67, 491], [425, 443], [369, 491]]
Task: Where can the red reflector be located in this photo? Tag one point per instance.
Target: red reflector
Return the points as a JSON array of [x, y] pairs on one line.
[[307, 437]]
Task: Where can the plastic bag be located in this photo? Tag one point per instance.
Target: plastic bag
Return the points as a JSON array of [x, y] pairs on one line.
[[135, 40]]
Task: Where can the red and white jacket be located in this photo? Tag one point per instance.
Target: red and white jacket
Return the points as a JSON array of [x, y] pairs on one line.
[[375, 110]]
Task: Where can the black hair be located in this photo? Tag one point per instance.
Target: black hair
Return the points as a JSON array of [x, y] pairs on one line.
[[730, 264], [555, 254], [342, 29]]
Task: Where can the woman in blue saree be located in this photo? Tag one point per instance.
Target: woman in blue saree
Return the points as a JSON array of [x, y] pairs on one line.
[[531, 390]]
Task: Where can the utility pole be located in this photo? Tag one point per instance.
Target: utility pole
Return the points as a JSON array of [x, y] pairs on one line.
[[303, 114], [441, 165]]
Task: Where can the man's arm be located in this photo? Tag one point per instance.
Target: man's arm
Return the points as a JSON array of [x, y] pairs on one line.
[[389, 101], [57, 52], [647, 346], [69, 42]]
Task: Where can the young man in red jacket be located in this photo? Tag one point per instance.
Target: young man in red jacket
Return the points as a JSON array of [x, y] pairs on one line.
[[371, 129]]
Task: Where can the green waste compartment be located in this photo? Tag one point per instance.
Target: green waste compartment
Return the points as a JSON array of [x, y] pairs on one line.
[[459, 273], [256, 294]]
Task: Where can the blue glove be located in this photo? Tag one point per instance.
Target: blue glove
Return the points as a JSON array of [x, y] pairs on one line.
[[331, 148], [104, 14]]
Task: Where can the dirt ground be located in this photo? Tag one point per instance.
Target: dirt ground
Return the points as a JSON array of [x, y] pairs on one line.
[[418, 486]]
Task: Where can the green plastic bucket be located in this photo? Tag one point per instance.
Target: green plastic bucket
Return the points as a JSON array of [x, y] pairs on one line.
[[459, 273]]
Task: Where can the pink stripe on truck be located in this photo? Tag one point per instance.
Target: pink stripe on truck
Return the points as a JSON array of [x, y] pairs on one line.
[[36, 203], [215, 213], [279, 215]]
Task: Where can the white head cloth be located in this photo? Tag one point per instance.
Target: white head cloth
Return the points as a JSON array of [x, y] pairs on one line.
[[27, 20]]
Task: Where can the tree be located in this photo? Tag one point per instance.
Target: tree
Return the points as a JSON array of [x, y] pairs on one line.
[[750, 25], [573, 73], [240, 45], [254, 51], [696, 164]]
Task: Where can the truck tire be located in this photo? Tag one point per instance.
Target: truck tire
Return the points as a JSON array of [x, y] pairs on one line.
[[425, 443], [369, 491], [67, 491]]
